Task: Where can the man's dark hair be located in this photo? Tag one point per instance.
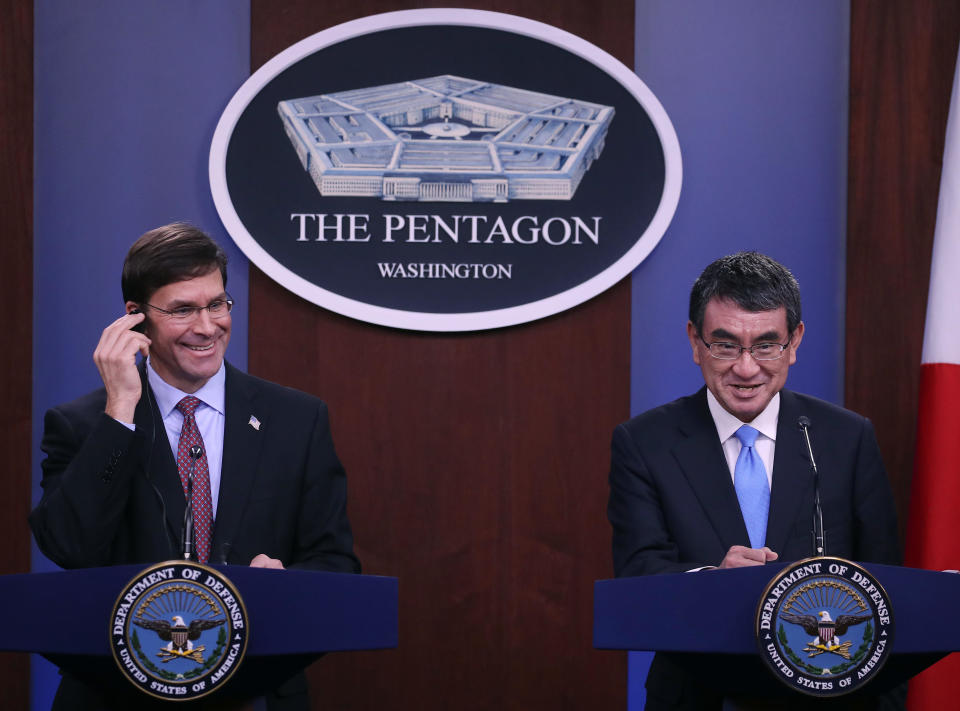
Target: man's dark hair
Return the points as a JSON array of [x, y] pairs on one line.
[[169, 254], [752, 281]]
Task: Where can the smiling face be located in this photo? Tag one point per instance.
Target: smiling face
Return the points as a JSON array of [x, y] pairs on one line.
[[743, 386], [187, 354]]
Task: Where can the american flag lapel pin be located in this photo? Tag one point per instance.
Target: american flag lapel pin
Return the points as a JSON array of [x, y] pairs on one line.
[[254, 423]]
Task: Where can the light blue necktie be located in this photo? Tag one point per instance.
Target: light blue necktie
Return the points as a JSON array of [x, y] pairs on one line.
[[753, 491]]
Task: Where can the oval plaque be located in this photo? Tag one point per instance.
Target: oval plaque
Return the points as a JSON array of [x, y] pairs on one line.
[[445, 170]]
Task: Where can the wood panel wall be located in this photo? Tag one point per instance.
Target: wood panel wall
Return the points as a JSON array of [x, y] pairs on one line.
[[16, 300], [902, 59], [477, 462]]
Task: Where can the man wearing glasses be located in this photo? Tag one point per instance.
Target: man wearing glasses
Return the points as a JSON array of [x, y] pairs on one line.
[[268, 488], [721, 478]]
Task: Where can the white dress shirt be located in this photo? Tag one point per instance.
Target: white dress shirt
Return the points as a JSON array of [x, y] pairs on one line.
[[209, 415], [765, 423]]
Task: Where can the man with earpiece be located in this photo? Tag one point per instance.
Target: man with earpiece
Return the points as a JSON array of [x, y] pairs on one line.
[[268, 488]]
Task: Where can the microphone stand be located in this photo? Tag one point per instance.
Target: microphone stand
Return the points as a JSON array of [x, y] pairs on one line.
[[819, 538], [195, 453]]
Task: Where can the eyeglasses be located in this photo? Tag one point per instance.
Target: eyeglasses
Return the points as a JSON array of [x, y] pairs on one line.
[[759, 351], [216, 309]]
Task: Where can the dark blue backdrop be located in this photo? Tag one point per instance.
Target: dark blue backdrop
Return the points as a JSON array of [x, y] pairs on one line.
[[757, 92], [127, 96]]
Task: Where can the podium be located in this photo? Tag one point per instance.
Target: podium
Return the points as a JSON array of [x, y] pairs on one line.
[[714, 613], [295, 616]]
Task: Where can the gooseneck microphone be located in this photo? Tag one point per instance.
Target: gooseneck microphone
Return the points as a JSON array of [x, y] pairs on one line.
[[195, 453], [819, 538]]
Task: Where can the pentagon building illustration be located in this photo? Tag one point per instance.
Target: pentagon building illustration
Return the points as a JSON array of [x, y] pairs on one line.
[[446, 138]]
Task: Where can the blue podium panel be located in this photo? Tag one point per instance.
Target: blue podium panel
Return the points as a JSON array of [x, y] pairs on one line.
[[292, 612], [714, 611], [698, 616]]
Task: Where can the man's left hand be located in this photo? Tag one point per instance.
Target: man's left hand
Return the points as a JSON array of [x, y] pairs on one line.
[[265, 561]]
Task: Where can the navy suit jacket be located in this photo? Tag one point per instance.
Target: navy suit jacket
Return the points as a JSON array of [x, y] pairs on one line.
[[673, 506], [113, 496]]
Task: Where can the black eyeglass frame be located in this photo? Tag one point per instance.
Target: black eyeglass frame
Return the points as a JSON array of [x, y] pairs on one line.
[[749, 349], [186, 313]]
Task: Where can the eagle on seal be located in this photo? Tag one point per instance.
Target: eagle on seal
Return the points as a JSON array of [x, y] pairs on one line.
[[179, 636], [826, 630]]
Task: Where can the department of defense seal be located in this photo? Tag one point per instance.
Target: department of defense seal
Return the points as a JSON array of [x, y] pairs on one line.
[[178, 630], [824, 626]]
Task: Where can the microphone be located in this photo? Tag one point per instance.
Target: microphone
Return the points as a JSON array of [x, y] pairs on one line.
[[819, 538], [195, 453]]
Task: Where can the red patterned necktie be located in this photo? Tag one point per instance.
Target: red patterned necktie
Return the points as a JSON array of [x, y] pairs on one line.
[[202, 502]]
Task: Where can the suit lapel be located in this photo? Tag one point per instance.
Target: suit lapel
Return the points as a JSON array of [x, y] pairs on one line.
[[701, 458], [157, 458], [241, 453], [792, 478]]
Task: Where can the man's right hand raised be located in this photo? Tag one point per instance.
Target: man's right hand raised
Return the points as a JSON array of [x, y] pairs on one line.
[[116, 359], [741, 556]]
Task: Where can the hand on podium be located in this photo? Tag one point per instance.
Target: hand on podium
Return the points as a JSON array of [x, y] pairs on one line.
[[264, 561], [741, 556]]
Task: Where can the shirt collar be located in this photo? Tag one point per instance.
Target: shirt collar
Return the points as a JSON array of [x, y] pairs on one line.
[[727, 424], [212, 394]]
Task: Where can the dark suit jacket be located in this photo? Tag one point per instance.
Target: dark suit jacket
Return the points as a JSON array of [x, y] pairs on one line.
[[673, 506], [112, 496]]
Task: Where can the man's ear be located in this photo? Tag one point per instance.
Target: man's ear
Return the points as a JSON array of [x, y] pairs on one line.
[[795, 339], [694, 341], [134, 307]]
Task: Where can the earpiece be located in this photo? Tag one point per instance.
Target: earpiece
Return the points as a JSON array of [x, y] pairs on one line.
[[140, 327]]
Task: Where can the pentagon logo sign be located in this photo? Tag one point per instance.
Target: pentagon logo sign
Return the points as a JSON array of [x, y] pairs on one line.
[[445, 169], [446, 139], [179, 631], [824, 626]]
